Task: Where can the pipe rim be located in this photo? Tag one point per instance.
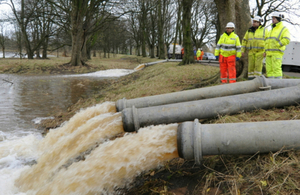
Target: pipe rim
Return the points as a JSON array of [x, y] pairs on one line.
[[121, 104], [197, 141], [179, 142], [136, 121]]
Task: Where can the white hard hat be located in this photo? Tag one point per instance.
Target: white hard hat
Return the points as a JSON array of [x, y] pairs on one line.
[[230, 25], [258, 19], [277, 14]]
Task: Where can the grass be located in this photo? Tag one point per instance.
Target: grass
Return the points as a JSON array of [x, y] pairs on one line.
[[272, 173], [54, 65]]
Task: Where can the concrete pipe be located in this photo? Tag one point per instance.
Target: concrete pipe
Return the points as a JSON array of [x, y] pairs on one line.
[[195, 140], [134, 118], [259, 83]]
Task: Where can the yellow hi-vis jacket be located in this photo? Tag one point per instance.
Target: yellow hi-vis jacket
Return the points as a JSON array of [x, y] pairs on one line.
[[254, 40], [277, 40], [198, 53], [229, 45]]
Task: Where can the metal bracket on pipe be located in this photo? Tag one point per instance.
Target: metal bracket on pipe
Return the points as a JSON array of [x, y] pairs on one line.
[[264, 82], [265, 88], [136, 122], [197, 133]]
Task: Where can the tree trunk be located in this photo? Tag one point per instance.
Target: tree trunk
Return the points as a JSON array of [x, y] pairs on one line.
[[160, 26], [177, 28], [45, 48], [143, 29], [244, 22], [188, 57], [76, 45], [78, 36], [3, 50]]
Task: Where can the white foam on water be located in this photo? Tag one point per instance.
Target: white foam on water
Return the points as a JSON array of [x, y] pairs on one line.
[[105, 73], [16, 155], [38, 120]]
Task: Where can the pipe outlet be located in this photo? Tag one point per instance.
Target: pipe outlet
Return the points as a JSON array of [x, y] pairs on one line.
[[195, 140]]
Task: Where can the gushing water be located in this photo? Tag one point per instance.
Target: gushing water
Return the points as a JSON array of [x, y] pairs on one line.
[[106, 164], [75, 122]]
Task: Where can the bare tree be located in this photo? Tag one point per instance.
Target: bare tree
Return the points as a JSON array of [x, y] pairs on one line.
[[3, 39], [265, 8], [187, 34], [33, 24], [178, 27], [170, 22], [204, 17]]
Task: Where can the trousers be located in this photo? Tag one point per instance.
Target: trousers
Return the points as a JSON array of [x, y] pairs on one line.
[[227, 69], [255, 64]]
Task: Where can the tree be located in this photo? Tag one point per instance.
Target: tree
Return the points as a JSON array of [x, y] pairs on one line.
[[178, 27], [265, 8], [3, 39], [204, 18], [187, 32], [34, 21], [86, 19]]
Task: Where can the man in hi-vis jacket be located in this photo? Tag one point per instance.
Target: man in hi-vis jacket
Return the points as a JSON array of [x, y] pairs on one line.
[[254, 42], [228, 51], [275, 46]]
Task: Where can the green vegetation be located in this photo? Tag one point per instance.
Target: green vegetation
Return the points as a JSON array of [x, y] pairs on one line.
[[273, 173]]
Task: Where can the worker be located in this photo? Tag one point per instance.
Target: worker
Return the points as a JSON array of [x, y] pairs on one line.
[[254, 42], [198, 54], [182, 53], [201, 55], [276, 42], [195, 54], [228, 51]]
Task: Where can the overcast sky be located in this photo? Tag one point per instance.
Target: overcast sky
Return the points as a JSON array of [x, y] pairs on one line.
[[294, 30]]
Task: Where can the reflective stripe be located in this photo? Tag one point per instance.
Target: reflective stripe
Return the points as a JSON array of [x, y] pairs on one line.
[[271, 77], [278, 37], [255, 48], [257, 73], [278, 77], [227, 47], [232, 79], [254, 40], [264, 34], [273, 50]]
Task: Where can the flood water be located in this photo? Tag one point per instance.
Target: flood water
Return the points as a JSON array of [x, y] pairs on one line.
[[34, 165], [25, 100]]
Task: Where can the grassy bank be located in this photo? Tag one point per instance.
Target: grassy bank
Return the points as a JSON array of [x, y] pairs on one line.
[[54, 65], [272, 173]]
